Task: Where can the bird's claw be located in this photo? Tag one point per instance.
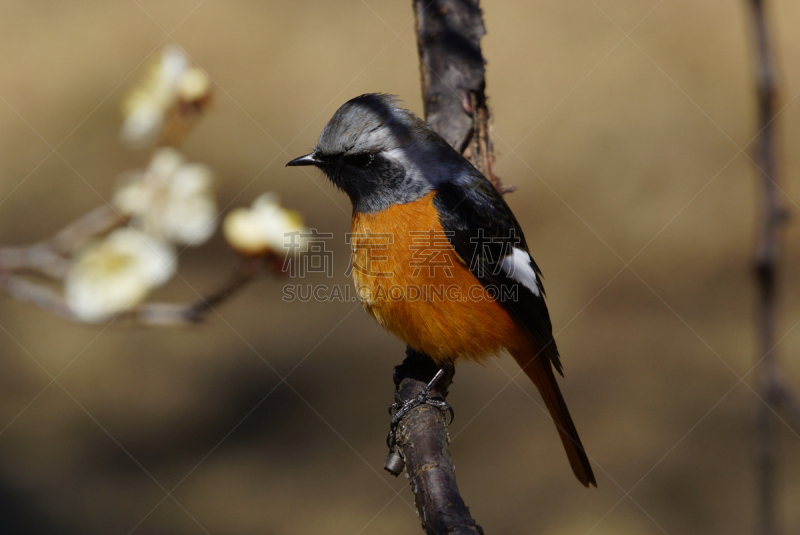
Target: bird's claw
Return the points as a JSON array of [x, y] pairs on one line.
[[402, 408]]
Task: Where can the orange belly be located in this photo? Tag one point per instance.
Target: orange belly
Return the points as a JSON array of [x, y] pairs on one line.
[[411, 280]]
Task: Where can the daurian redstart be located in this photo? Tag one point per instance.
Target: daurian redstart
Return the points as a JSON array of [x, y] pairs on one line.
[[438, 257]]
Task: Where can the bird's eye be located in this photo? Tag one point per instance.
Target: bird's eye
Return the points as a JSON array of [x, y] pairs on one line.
[[361, 160]]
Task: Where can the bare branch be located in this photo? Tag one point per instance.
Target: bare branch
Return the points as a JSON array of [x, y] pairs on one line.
[[39, 258], [423, 440], [48, 258], [453, 89], [36, 294], [772, 218], [453, 77], [789, 402], [99, 221], [169, 314]]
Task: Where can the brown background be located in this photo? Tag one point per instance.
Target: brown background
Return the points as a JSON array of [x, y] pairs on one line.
[[636, 200]]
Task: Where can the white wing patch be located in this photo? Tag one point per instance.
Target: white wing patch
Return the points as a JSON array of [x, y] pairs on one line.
[[517, 265]]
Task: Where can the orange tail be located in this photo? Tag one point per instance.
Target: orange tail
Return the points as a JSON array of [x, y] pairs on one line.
[[540, 371]]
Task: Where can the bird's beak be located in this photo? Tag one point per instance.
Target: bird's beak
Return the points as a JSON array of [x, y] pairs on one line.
[[308, 159]]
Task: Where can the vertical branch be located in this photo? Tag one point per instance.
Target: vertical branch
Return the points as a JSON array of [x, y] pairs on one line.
[[767, 253], [453, 90], [453, 78], [423, 440]]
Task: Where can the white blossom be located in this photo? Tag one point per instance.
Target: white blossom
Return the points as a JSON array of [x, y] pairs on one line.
[[116, 273], [264, 228], [172, 199], [171, 79], [193, 85]]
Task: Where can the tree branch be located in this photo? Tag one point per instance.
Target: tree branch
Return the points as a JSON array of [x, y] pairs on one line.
[[170, 314], [772, 218], [453, 78], [99, 221], [788, 401], [422, 439], [42, 296], [48, 257], [147, 314], [453, 89]]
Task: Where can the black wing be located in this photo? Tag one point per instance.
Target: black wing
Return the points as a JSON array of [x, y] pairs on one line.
[[483, 231]]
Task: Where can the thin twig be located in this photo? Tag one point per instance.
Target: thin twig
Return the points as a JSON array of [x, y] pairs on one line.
[[99, 221], [38, 258], [169, 314], [789, 402], [52, 258], [37, 294], [767, 255], [48, 257], [181, 118], [148, 314]]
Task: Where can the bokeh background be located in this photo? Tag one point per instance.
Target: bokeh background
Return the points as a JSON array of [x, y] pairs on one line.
[[624, 125]]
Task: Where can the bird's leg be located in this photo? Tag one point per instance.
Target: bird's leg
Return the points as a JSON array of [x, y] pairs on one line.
[[402, 408]]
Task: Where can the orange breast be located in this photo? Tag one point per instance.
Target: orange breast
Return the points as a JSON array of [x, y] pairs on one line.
[[411, 280]]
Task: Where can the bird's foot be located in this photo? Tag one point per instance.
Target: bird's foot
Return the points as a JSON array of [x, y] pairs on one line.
[[402, 408]]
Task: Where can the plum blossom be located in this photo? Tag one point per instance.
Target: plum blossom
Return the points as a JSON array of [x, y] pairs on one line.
[[170, 80], [264, 228], [116, 273], [172, 199]]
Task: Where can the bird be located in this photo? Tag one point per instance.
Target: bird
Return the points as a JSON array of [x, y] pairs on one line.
[[426, 222]]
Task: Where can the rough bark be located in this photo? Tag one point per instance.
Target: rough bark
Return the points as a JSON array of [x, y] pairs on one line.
[[453, 78], [453, 89], [423, 441]]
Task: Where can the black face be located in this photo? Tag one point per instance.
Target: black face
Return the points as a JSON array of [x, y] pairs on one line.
[[371, 180]]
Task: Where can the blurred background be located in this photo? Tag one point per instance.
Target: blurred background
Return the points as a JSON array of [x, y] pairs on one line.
[[621, 124]]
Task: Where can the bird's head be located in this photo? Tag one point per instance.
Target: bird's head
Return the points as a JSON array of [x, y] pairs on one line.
[[381, 154]]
